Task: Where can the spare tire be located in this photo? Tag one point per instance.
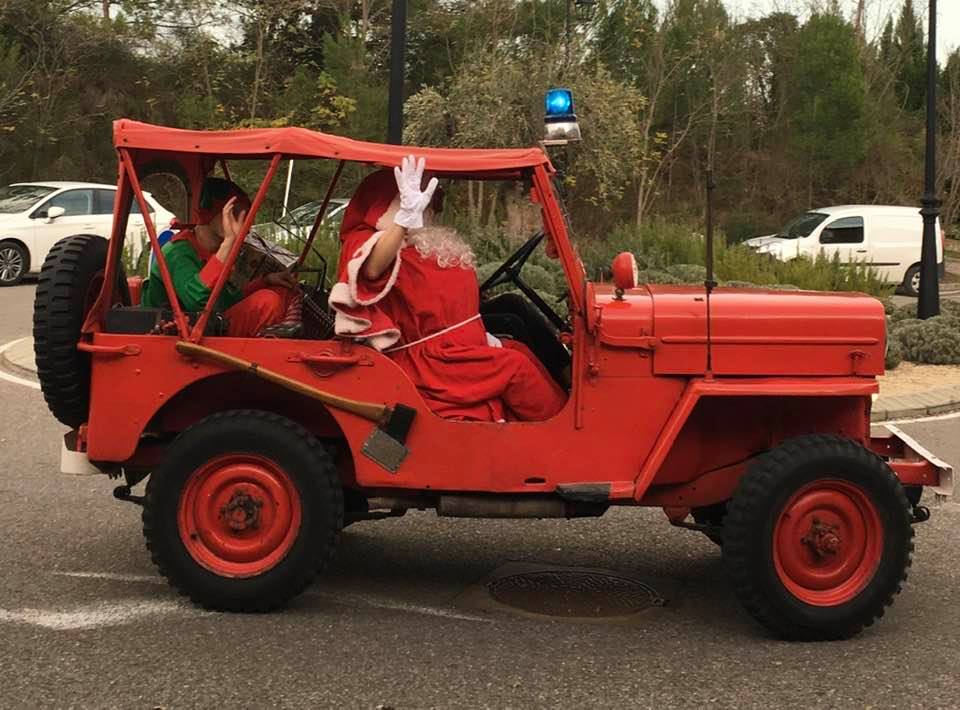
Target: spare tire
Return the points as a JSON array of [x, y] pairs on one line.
[[70, 281]]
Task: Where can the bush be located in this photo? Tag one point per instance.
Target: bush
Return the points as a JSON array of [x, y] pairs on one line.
[[935, 341], [688, 273], [894, 354]]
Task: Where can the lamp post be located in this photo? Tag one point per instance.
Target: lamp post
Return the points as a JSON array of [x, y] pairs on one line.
[[928, 304], [398, 60]]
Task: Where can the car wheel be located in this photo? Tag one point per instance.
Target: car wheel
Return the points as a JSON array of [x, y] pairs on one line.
[[14, 262], [911, 281], [70, 281], [243, 512], [818, 538]]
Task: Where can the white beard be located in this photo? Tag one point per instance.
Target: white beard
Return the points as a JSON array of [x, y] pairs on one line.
[[443, 243]]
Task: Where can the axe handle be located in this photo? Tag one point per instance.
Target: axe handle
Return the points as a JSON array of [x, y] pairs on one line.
[[368, 410]]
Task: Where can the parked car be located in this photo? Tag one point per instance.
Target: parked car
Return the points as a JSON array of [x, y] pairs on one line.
[[36, 215], [886, 237], [751, 415], [298, 221]]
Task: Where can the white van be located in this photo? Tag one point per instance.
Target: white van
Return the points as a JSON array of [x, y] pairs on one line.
[[887, 238]]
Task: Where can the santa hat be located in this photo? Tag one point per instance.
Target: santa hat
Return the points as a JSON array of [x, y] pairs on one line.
[[370, 203]]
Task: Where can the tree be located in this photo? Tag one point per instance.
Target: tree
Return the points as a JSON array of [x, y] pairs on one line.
[[827, 101], [909, 55]]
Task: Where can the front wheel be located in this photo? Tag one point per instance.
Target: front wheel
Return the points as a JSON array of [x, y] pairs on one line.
[[818, 538], [243, 512], [13, 263]]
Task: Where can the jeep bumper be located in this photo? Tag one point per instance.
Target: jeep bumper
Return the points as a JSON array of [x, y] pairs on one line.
[[913, 464]]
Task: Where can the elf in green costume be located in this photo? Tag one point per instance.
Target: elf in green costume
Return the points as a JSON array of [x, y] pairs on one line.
[[196, 258]]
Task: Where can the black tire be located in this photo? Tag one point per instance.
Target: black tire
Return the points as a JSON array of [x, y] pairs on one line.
[[312, 475], [712, 516], [913, 273], [14, 263], [755, 512]]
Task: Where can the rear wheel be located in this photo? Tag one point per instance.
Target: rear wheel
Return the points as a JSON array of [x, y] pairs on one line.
[[14, 261], [818, 538], [243, 512], [911, 281]]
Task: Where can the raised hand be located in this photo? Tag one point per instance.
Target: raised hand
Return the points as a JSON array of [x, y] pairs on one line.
[[413, 200], [232, 223]]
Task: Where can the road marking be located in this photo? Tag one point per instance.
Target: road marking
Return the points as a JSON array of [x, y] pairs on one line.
[[105, 613], [13, 378], [148, 578], [343, 598], [378, 603]]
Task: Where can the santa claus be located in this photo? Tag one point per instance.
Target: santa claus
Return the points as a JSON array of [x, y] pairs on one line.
[[409, 289]]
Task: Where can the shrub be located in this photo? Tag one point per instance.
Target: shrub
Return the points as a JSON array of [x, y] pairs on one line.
[[935, 341], [894, 354], [688, 273]]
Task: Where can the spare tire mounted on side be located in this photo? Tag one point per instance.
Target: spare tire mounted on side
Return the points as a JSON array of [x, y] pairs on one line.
[[70, 281]]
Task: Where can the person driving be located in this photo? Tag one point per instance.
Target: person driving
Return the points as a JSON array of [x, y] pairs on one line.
[[409, 289], [196, 256]]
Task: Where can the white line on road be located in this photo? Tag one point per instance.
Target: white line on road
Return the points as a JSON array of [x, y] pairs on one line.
[[361, 600], [105, 613], [148, 578], [13, 378], [344, 598]]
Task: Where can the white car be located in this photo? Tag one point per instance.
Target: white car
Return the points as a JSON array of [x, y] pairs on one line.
[[36, 215], [886, 237]]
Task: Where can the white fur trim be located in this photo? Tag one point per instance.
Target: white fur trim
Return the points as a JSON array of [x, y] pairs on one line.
[[353, 273], [351, 326]]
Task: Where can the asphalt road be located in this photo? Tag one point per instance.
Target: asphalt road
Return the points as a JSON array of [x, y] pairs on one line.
[[84, 621]]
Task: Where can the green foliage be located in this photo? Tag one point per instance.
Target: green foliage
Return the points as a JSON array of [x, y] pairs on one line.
[[827, 97], [935, 341], [894, 355]]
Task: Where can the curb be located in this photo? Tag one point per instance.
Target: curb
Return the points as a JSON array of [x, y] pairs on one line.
[[941, 400], [18, 356]]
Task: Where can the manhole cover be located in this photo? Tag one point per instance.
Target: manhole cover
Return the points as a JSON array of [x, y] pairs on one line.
[[574, 594]]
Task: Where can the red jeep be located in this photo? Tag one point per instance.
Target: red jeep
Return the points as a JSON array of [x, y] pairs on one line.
[[744, 415]]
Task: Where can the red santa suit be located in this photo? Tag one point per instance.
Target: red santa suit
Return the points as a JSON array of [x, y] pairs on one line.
[[424, 313]]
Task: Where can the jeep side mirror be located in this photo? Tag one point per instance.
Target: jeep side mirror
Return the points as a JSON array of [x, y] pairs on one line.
[[55, 212], [625, 275]]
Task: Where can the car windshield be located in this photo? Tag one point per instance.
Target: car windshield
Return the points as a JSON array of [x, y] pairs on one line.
[[802, 226], [19, 198]]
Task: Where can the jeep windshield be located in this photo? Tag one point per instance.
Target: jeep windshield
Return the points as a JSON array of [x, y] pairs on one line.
[[19, 198], [802, 226]]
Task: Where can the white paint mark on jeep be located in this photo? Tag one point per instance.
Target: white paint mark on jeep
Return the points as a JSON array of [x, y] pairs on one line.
[[92, 616]]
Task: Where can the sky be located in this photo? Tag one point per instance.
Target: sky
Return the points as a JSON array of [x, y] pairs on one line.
[[877, 12]]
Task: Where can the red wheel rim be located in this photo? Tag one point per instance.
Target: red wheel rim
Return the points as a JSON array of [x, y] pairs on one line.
[[239, 515], [827, 542]]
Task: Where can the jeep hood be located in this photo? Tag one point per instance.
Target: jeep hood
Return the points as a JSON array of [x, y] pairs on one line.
[[753, 331]]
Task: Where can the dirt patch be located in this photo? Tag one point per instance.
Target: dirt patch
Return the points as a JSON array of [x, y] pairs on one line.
[[909, 378]]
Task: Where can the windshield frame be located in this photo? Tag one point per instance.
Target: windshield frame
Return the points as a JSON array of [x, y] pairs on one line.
[[9, 192]]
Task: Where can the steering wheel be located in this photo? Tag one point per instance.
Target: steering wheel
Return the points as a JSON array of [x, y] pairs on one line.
[[509, 272]]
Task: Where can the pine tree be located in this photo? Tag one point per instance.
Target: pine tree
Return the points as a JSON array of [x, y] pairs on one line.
[[909, 56]]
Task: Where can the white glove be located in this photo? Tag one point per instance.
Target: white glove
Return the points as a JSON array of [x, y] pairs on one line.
[[413, 201]]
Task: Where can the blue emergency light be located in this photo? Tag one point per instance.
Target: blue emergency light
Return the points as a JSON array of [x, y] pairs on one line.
[[559, 103], [560, 121]]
